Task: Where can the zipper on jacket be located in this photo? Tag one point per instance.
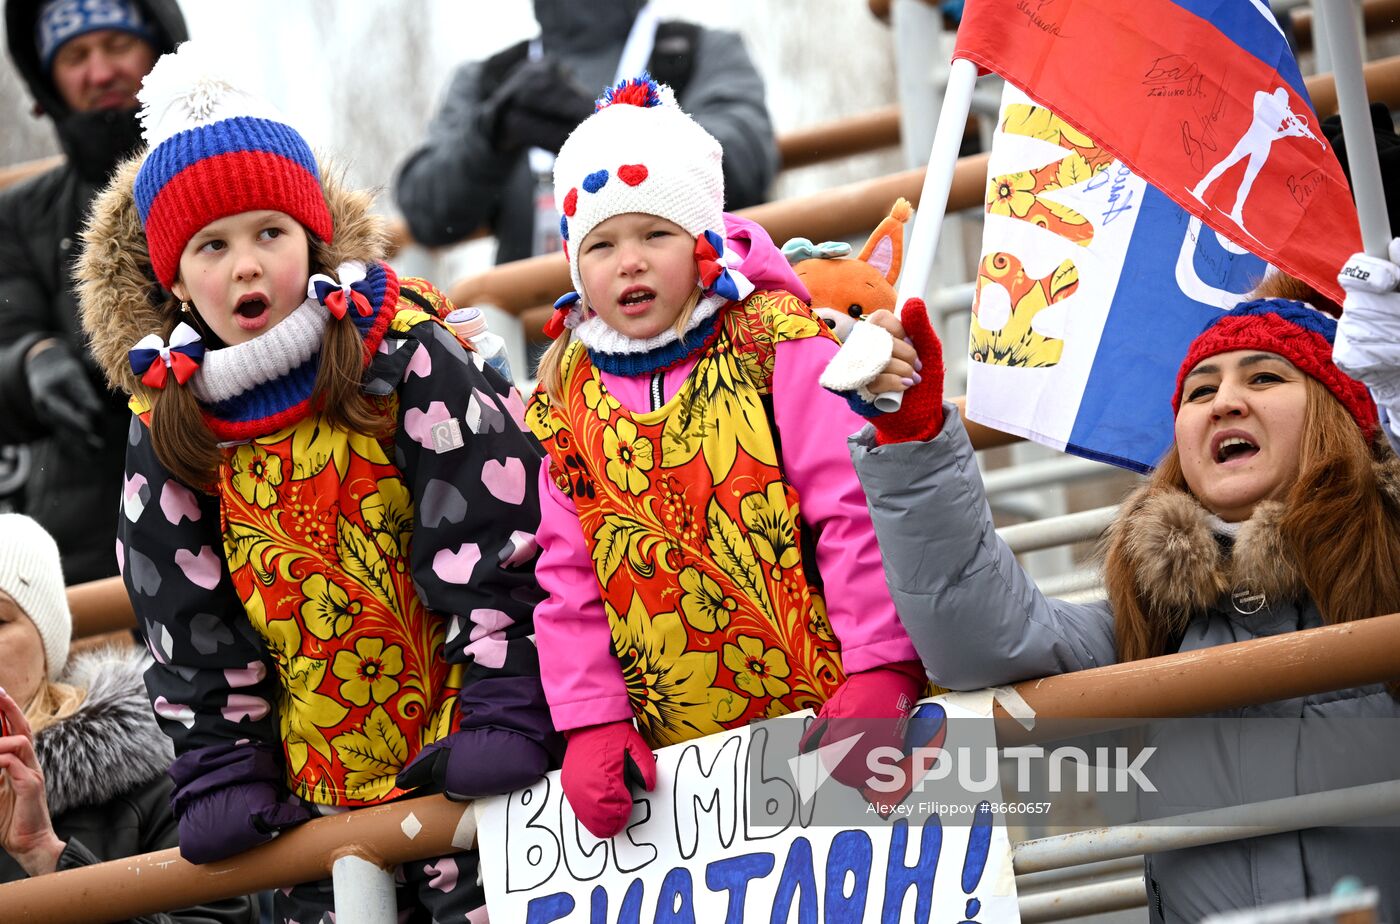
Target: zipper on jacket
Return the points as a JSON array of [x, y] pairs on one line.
[[658, 394]]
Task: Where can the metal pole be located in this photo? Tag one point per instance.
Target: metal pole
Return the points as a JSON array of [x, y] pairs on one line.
[[1340, 20], [1046, 534], [1207, 680], [933, 197], [1078, 901], [1294, 813], [938, 180], [364, 893], [1058, 471], [917, 29], [1322, 51], [1075, 875]]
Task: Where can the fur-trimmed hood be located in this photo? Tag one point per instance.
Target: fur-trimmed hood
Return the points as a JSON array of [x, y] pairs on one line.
[[111, 744], [1183, 564], [119, 299]]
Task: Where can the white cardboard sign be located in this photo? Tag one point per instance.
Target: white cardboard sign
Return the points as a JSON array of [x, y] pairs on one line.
[[693, 853]]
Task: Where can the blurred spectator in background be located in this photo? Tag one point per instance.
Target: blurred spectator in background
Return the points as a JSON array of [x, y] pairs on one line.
[[1387, 153], [83, 61], [488, 160]]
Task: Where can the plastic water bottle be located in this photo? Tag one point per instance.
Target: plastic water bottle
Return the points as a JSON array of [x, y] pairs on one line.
[[470, 324]]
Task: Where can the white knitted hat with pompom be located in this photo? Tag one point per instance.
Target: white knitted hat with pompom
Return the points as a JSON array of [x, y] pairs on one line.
[[637, 153]]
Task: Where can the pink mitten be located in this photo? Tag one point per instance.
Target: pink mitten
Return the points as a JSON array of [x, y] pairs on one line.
[[873, 704], [920, 417], [599, 763]]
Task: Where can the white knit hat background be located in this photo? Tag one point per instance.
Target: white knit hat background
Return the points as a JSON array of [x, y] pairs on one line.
[[638, 153], [31, 575]]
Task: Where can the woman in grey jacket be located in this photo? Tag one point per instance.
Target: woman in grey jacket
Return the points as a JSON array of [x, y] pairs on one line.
[[1275, 510]]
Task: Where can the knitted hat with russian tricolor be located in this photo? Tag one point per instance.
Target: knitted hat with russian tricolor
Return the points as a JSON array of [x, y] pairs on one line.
[[1294, 330], [638, 152], [216, 150]]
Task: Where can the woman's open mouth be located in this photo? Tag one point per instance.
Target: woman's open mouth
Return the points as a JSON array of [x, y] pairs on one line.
[[1235, 449]]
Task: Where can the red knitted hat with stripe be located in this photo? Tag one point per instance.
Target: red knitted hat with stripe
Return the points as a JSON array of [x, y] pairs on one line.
[[1294, 330], [216, 151]]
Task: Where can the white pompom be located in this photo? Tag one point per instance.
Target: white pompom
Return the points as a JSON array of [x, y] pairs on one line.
[[195, 85]]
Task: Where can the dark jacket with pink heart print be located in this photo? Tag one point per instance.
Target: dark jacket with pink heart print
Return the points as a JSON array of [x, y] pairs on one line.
[[337, 602]]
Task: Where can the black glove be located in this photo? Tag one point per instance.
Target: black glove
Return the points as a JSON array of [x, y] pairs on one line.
[[538, 105], [63, 394]]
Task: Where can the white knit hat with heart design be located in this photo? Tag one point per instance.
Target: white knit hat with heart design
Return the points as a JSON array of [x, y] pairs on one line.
[[637, 153]]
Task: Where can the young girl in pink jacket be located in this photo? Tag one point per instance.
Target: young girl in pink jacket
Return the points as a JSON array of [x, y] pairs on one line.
[[706, 548]]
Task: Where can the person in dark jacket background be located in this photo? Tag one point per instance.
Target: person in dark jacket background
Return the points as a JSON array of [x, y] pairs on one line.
[[82, 762], [487, 162], [83, 61]]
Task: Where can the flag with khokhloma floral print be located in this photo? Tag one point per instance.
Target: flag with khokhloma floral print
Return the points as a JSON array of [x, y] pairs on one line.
[[1090, 286]]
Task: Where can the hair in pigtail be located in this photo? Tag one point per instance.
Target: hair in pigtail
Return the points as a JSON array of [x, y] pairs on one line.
[[182, 440], [187, 447], [336, 394], [551, 368]]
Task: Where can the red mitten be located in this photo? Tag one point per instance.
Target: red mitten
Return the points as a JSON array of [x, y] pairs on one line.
[[599, 763], [872, 704], [920, 417]]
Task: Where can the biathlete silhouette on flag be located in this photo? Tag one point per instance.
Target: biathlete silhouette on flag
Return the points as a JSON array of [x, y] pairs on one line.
[[1273, 120], [1095, 68]]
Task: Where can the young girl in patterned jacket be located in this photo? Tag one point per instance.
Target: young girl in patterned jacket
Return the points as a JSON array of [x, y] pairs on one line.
[[328, 524], [699, 491]]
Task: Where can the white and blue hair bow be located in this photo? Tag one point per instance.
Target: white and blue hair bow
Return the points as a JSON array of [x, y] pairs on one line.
[[338, 295]]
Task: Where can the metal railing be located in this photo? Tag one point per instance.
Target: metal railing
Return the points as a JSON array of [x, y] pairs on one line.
[[1193, 683]]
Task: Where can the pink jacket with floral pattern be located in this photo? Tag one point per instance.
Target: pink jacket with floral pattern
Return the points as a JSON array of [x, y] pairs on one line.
[[583, 680]]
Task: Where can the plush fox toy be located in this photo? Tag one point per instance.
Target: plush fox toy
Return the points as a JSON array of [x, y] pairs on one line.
[[846, 290]]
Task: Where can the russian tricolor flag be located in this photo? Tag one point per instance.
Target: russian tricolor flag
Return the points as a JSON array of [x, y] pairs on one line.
[[1097, 270]]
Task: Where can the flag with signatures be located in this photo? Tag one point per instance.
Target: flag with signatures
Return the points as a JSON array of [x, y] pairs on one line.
[[1201, 98], [1090, 286]]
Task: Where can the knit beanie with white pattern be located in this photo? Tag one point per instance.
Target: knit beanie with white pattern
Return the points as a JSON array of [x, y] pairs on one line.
[[30, 573], [638, 152]]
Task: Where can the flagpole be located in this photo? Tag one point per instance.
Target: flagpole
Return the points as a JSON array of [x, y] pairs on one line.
[[933, 198], [1344, 40]]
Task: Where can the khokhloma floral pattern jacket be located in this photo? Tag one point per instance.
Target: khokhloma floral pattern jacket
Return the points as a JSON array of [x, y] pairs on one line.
[[336, 592]]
